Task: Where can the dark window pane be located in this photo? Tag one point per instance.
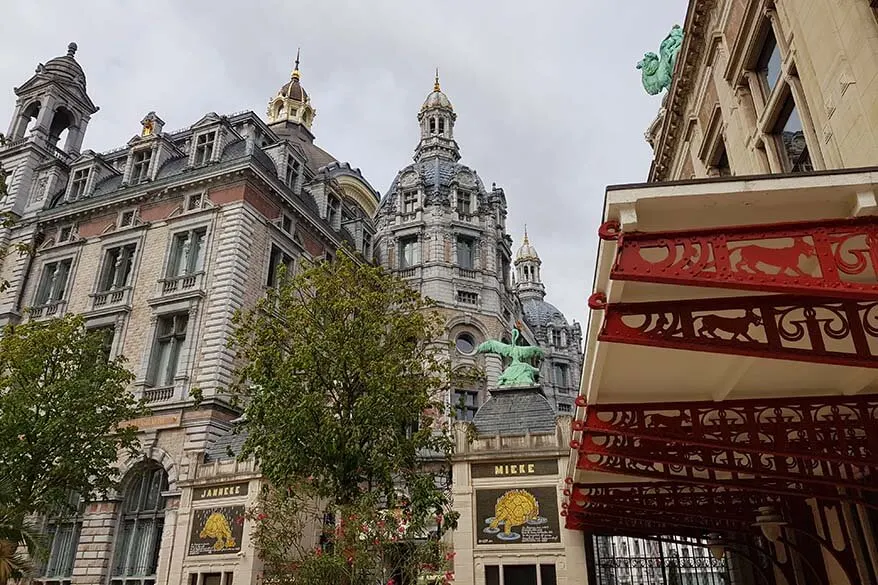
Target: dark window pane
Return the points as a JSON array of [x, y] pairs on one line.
[[519, 575], [492, 575], [770, 62], [547, 574]]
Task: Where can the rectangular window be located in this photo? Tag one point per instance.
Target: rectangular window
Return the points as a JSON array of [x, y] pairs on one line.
[[562, 407], [465, 404], [561, 377], [108, 335], [170, 337], [547, 574], [790, 139], [333, 209], [492, 574], [466, 252], [286, 224], [62, 538], [126, 218], [556, 338], [367, 245], [137, 550], [464, 203], [65, 233], [769, 64], [467, 297], [194, 201], [204, 148], [78, 183], [720, 166], [409, 202], [116, 271], [53, 283], [408, 252], [519, 575], [140, 168], [294, 169], [187, 253], [279, 258]]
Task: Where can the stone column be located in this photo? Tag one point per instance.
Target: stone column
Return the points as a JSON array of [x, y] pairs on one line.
[[167, 562], [91, 565]]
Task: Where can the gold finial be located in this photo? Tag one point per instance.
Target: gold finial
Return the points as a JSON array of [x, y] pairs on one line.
[[436, 82], [296, 74], [526, 242]]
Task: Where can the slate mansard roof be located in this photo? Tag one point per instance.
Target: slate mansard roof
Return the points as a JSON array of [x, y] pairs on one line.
[[515, 411]]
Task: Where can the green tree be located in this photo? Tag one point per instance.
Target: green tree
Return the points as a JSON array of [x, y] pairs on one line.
[[63, 413], [343, 385]]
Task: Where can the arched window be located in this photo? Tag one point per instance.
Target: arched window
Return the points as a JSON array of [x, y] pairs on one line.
[[140, 532], [61, 122]]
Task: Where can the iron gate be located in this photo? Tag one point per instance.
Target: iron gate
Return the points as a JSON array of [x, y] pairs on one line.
[[622, 560]]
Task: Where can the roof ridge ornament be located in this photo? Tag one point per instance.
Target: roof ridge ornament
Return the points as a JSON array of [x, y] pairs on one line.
[[71, 49], [436, 86], [658, 70], [296, 74]]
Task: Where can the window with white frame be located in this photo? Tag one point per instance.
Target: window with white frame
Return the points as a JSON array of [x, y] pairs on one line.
[[286, 224], [65, 233], [187, 253], [277, 259], [126, 218], [193, 201], [170, 337], [140, 534], [464, 203], [53, 282], [409, 202], [544, 574], [408, 252], [62, 536], [78, 183], [294, 169], [333, 210], [140, 166], [466, 252], [116, 270], [204, 144]]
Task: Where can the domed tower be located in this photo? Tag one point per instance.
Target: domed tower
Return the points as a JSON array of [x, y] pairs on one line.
[[290, 111], [561, 342], [439, 228], [47, 127]]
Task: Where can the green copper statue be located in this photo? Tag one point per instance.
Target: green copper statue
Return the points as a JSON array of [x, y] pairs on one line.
[[518, 373], [658, 69]]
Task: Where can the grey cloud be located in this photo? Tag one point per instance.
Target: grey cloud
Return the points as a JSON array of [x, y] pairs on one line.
[[549, 104]]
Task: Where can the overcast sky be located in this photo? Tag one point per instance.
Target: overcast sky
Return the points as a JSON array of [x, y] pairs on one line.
[[549, 104]]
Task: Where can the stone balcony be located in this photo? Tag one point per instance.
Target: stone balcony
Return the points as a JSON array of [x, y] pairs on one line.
[[48, 310], [111, 298]]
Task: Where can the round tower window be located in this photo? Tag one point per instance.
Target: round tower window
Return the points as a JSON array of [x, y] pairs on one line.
[[465, 343]]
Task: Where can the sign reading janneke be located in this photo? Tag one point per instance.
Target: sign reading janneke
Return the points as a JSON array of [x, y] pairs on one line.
[[513, 468], [517, 516], [220, 491]]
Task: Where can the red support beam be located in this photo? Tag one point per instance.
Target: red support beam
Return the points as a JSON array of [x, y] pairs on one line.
[[838, 258], [714, 464], [838, 429], [808, 329]]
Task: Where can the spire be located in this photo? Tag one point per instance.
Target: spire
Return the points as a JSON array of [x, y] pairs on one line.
[[436, 86], [526, 251], [527, 266], [296, 74], [437, 126]]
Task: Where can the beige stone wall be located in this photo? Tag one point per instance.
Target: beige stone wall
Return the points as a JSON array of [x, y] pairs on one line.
[[829, 53]]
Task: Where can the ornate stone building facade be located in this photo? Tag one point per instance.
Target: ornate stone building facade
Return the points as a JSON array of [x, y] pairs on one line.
[[443, 231], [730, 280], [159, 241]]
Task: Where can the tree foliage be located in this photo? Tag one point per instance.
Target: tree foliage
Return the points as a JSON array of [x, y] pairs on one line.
[[344, 385], [63, 413]]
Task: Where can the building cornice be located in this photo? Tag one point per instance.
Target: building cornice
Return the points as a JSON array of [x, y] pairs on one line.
[[694, 43]]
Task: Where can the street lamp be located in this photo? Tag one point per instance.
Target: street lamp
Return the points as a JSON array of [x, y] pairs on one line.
[[770, 522]]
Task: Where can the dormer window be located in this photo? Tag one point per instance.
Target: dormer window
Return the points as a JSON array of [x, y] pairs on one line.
[[333, 209], [464, 203], [556, 338], [140, 168], [204, 148], [294, 169], [409, 201], [79, 183]]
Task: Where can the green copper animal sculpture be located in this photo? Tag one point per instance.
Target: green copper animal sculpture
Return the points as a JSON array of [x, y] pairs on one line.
[[519, 373], [658, 69]]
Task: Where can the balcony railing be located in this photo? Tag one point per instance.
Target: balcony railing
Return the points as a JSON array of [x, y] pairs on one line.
[[467, 273], [46, 310], [183, 283], [408, 272], [151, 395], [109, 298]]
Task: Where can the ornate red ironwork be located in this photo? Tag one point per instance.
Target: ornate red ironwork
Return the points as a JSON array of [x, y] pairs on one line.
[[832, 257], [812, 329], [837, 429]]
